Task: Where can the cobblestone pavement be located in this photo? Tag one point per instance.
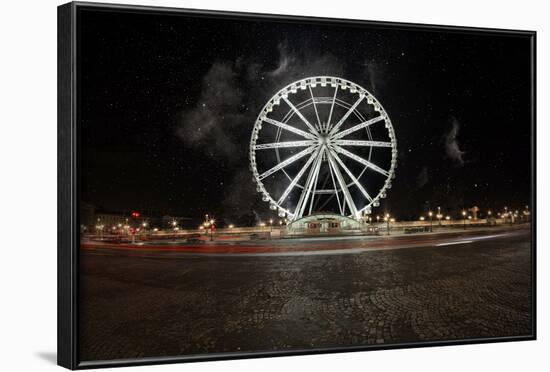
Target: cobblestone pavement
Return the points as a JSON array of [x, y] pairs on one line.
[[138, 305]]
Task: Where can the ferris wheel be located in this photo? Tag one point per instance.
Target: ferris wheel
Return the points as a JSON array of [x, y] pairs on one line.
[[323, 144]]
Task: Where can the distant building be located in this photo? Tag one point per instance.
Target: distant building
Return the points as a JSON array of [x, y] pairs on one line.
[[91, 217], [109, 219]]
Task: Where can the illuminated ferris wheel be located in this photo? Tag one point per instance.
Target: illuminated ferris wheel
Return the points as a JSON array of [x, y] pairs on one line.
[[323, 144]]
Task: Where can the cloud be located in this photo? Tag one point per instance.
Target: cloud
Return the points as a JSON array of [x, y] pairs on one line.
[[233, 93], [216, 114], [374, 72], [422, 178], [452, 148]]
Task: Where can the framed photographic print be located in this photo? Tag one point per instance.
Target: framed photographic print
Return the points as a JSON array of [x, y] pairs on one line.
[[237, 185]]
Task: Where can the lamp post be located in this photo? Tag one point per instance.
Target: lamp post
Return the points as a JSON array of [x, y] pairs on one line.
[[387, 219], [212, 230], [464, 218], [431, 221]]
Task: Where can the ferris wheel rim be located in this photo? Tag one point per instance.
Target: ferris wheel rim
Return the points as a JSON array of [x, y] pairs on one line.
[[334, 133]]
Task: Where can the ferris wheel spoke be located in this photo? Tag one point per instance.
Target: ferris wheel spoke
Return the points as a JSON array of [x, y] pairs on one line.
[[332, 107], [289, 128], [346, 115], [362, 143], [353, 178], [288, 161], [359, 159], [347, 196], [357, 127], [278, 145], [302, 117], [297, 177], [335, 193], [315, 108], [316, 180], [299, 210]]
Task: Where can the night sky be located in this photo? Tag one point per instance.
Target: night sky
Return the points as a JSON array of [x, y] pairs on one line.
[[168, 102]]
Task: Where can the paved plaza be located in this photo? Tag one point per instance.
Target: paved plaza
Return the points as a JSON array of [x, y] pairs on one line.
[[148, 304]]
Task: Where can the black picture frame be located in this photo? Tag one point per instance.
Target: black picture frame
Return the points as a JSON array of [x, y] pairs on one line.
[[68, 187]]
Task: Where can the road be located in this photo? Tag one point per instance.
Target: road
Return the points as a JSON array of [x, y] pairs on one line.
[[148, 303]]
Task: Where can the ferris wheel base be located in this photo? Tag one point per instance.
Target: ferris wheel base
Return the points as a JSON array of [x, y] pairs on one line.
[[324, 223]]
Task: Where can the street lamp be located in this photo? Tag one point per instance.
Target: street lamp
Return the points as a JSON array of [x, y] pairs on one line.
[[212, 229], [387, 219], [464, 218], [270, 227], [431, 221]]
